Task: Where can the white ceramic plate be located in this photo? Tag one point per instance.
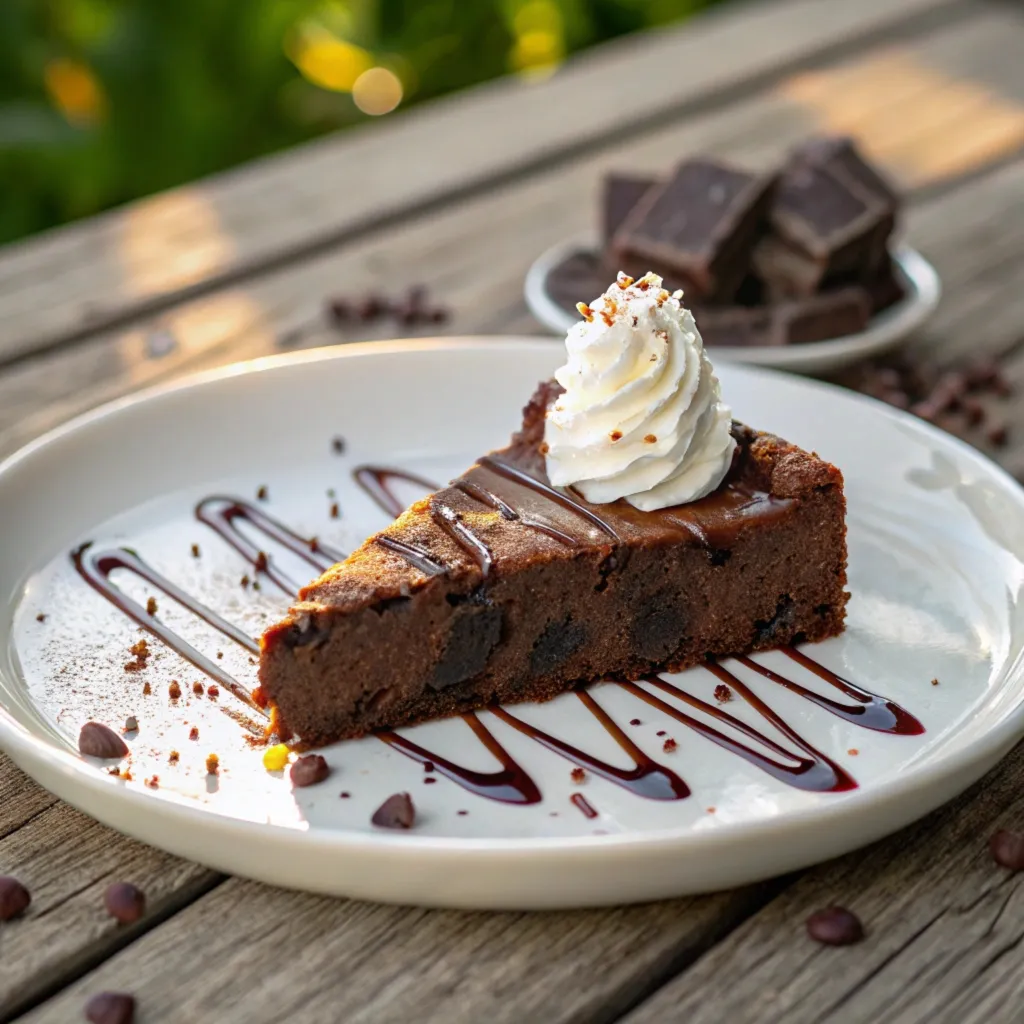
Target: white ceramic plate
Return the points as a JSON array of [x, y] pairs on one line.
[[936, 540], [886, 331]]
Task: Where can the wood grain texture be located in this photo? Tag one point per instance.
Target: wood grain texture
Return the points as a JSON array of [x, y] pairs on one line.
[[77, 280], [67, 860], [474, 255], [250, 952], [945, 933]]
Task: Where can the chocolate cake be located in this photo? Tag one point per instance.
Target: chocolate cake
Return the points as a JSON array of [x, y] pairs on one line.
[[501, 588]]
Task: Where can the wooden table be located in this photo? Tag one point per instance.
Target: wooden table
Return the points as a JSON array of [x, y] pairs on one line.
[[460, 196]]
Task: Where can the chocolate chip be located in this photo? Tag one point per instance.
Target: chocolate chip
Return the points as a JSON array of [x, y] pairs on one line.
[[997, 434], [339, 310], [338, 447], [262, 494], [110, 1008], [722, 693], [396, 812], [98, 740], [835, 926], [131, 724], [634, 721], [125, 902], [14, 898], [1008, 849], [309, 770], [41, 617]]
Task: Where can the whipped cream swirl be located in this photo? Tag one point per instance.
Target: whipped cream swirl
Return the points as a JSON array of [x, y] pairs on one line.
[[642, 416]]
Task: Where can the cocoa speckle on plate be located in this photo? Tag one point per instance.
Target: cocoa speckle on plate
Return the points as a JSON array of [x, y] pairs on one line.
[[722, 693], [338, 445], [174, 689], [110, 1008], [14, 898], [335, 510], [195, 550], [396, 812], [99, 740], [309, 770], [146, 689], [41, 617], [262, 493], [835, 926], [173, 757], [669, 745], [125, 902], [1007, 849], [577, 775], [262, 561], [634, 721]]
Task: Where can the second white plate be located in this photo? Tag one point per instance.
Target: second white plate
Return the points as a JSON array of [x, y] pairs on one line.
[[886, 331]]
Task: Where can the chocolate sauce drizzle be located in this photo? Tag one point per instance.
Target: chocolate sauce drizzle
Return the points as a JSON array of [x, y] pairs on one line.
[[807, 769], [376, 482], [815, 771], [96, 567], [510, 785], [647, 778], [505, 469], [223, 514], [451, 523], [580, 801]]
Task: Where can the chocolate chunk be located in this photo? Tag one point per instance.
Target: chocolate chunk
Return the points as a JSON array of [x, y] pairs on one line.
[[475, 631], [659, 626], [338, 445], [98, 740], [820, 317], [698, 226], [14, 898], [309, 770], [110, 1008], [835, 926], [619, 196], [1008, 849], [125, 902], [840, 151], [396, 812], [559, 642], [823, 225]]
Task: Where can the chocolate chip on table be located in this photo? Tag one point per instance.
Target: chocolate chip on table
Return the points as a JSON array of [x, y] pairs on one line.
[[835, 926], [125, 902], [110, 1008], [131, 724], [309, 770], [396, 812], [338, 447], [99, 740], [1008, 849], [14, 898]]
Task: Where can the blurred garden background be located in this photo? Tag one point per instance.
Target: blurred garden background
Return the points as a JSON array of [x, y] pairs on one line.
[[104, 101]]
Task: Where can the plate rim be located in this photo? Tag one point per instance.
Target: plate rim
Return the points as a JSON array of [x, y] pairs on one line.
[[26, 748], [897, 322]]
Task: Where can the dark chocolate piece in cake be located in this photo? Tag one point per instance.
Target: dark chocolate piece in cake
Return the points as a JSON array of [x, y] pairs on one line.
[[697, 228], [737, 326], [519, 591]]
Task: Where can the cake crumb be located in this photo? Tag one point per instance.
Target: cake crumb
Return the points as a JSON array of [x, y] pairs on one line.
[[146, 689], [634, 721], [262, 561], [669, 745], [153, 782], [577, 775], [41, 617], [711, 810], [140, 654], [151, 606], [220, 655], [174, 690], [935, 682], [245, 581], [212, 764], [853, 751], [262, 493], [213, 691], [338, 445], [722, 693], [198, 688], [193, 733], [335, 511], [195, 550], [173, 757]]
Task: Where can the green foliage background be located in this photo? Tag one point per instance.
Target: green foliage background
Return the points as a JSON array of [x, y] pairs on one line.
[[103, 101]]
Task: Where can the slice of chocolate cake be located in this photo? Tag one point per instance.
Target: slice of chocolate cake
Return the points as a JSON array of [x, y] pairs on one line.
[[500, 588]]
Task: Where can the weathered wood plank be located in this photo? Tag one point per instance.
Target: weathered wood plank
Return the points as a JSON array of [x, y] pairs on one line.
[[474, 255], [72, 282], [945, 938], [67, 860], [362, 963]]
